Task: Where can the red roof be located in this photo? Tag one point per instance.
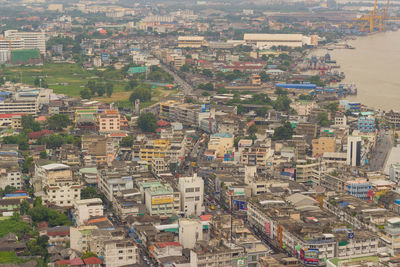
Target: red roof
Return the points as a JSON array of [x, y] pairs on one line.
[[36, 135], [206, 217], [76, 262], [63, 262], [10, 115], [169, 244], [58, 233], [92, 260], [163, 123]]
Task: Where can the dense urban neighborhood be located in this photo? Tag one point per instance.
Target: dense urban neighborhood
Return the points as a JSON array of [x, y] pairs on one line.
[[193, 134]]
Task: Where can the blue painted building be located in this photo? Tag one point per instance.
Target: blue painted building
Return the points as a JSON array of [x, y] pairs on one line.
[[358, 188], [366, 124]]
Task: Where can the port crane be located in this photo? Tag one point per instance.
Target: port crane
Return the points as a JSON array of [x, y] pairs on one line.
[[374, 18]]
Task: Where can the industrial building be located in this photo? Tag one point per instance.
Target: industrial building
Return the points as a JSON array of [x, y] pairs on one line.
[[191, 41], [262, 40]]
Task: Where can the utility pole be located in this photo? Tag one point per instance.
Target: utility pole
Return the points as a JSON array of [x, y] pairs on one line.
[[231, 201]]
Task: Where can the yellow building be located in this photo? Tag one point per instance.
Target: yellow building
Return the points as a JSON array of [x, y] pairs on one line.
[[323, 144], [222, 143], [155, 148]]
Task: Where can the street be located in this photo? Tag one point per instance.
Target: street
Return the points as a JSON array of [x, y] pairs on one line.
[[379, 154], [186, 88]]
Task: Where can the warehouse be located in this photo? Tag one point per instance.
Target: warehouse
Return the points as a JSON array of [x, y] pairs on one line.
[[262, 40]]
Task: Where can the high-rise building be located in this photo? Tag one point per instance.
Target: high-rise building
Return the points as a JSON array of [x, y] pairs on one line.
[[192, 191], [32, 40], [354, 150]]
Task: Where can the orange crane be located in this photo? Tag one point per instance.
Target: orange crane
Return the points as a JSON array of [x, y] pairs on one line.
[[374, 19], [368, 19]]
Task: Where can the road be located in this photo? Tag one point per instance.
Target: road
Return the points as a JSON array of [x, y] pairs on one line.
[[186, 88], [379, 154]]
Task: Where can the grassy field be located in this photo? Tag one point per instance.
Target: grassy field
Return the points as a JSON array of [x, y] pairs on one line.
[[70, 79]]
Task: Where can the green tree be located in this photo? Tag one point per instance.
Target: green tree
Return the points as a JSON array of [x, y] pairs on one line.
[[29, 123], [333, 106], [282, 103], [264, 76], [208, 73], [132, 84], [185, 68], [261, 111], [127, 141], [283, 132], [323, 119], [100, 89], [43, 154], [24, 208], [141, 93], [27, 165], [85, 93], [252, 130], [58, 122], [305, 97], [88, 254], [147, 122], [109, 89]]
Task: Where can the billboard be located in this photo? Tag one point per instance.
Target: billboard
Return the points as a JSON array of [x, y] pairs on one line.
[[164, 199], [105, 56], [311, 256], [237, 191], [205, 108]]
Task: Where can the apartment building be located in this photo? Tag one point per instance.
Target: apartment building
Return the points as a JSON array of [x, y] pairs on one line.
[[113, 181], [109, 121], [13, 120], [113, 247], [58, 236], [192, 195], [119, 252], [159, 200], [303, 107], [366, 124], [10, 175], [57, 184], [87, 208], [322, 145], [358, 188], [32, 40], [222, 143], [258, 154], [157, 148], [222, 255], [80, 237]]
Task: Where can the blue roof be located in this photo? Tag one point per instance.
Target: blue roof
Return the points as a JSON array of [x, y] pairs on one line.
[[222, 135], [308, 86]]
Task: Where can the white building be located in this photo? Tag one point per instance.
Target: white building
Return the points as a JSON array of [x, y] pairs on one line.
[[354, 150], [263, 40], [192, 195], [10, 177], [190, 231], [57, 185], [119, 252], [32, 40], [86, 208]]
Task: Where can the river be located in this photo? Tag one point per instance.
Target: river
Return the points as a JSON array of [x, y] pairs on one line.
[[374, 66]]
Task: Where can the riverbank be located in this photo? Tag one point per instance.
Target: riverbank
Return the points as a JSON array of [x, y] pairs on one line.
[[373, 67]]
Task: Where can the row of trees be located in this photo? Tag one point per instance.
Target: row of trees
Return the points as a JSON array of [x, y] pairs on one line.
[[55, 122], [92, 89]]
